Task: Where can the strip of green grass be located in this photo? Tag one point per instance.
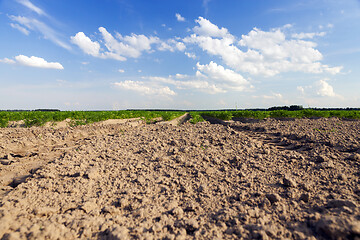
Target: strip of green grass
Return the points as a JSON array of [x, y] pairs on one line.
[[36, 118], [196, 117], [306, 113]]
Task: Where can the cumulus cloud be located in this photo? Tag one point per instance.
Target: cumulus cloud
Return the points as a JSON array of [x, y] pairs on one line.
[[85, 43], [325, 89], [220, 74], [320, 88], [208, 29], [266, 53], [37, 62], [36, 25], [210, 78], [179, 17], [144, 89], [120, 47], [121, 70]]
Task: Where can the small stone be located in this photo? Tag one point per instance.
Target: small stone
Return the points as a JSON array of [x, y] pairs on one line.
[[178, 212], [273, 197], [119, 233], [156, 227], [305, 197], [328, 164], [321, 159], [191, 225], [93, 173], [289, 182], [342, 177], [89, 206]]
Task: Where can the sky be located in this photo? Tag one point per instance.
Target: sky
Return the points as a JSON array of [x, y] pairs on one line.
[[179, 54]]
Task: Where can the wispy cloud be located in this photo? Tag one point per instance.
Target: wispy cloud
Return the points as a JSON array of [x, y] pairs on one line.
[[144, 89], [32, 7], [7, 60], [205, 4], [36, 25], [20, 28]]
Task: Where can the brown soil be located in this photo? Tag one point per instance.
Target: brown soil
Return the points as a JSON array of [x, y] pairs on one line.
[[267, 179]]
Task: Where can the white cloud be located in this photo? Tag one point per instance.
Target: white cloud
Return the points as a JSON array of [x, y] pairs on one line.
[[206, 6], [190, 55], [85, 43], [45, 30], [142, 88], [7, 60], [179, 17], [121, 70], [273, 96], [265, 53], [308, 35], [319, 88], [37, 62], [222, 75], [118, 49], [128, 46], [206, 28], [20, 28], [31, 6], [210, 78], [300, 89], [123, 47], [325, 89], [171, 45]]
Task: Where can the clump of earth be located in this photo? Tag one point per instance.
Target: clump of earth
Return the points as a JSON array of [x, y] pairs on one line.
[[245, 179]]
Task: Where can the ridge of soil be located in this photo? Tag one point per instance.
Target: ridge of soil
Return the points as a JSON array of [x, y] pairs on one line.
[[266, 179]]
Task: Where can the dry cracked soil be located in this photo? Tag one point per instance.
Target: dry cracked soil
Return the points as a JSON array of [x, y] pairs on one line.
[[244, 179]]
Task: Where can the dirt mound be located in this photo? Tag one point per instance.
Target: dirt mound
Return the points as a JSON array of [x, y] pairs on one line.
[[253, 180]]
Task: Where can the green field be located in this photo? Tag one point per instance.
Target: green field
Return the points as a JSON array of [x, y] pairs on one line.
[[305, 113], [39, 118]]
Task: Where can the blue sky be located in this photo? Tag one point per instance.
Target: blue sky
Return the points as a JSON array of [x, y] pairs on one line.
[[199, 54]]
